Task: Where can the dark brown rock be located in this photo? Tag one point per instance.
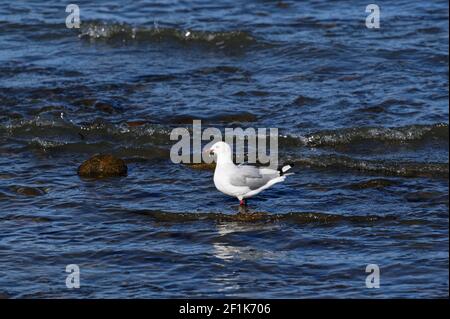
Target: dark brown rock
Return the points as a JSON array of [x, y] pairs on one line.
[[246, 216], [136, 123], [373, 183], [100, 166], [184, 119], [242, 117], [203, 166], [29, 191]]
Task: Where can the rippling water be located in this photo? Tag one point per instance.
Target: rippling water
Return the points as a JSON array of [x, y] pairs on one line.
[[362, 113]]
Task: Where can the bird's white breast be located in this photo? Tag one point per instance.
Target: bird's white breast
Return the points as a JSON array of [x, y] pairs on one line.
[[222, 183]]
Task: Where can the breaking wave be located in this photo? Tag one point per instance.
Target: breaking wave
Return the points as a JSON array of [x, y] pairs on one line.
[[405, 169], [406, 134], [151, 140], [124, 32]]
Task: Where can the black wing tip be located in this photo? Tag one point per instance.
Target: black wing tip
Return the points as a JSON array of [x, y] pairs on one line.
[[280, 169]]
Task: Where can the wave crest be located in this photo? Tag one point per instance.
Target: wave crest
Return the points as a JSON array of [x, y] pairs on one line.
[[390, 168], [412, 133], [125, 32]]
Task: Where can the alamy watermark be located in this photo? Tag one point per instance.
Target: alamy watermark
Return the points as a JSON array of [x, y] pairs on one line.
[[73, 19], [373, 19], [373, 279], [261, 144], [73, 278]]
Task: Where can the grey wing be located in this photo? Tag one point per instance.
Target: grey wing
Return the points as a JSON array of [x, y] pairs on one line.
[[250, 176]]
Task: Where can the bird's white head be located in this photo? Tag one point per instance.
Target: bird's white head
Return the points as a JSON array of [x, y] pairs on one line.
[[221, 149]]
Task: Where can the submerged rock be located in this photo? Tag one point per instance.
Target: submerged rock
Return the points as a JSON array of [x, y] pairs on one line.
[[243, 215], [203, 166], [242, 117], [227, 118], [136, 123], [248, 216], [100, 166], [373, 183], [29, 191], [304, 100], [6, 175]]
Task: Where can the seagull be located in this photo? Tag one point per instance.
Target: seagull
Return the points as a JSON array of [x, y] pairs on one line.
[[242, 181]]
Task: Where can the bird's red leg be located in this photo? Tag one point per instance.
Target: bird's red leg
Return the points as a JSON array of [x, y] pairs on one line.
[[243, 202]]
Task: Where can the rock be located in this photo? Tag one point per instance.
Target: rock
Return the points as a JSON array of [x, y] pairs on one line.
[[28, 191], [100, 166], [246, 216], [304, 100], [373, 109], [184, 119], [243, 117], [136, 123], [6, 176], [373, 183], [203, 166]]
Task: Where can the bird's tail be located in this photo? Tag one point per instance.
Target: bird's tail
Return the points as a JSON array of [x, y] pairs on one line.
[[285, 168]]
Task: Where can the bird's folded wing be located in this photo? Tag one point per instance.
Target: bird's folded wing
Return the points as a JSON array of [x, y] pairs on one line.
[[249, 176]]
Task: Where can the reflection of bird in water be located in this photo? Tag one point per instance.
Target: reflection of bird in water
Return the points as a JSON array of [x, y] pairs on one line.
[[228, 248], [231, 245]]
